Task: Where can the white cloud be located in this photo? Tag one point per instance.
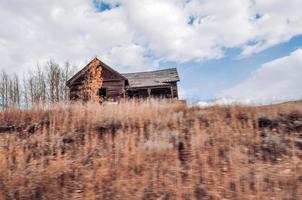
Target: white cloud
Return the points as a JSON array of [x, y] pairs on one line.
[[278, 80], [279, 21], [129, 58], [35, 31], [139, 34], [227, 102]]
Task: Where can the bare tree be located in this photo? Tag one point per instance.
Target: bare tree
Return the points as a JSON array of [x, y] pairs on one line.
[[40, 86], [25, 93], [4, 89], [53, 81], [36, 86], [14, 90], [66, 73]]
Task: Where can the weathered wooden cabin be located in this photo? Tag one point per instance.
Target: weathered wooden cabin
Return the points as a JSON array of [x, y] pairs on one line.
[[98, 79]]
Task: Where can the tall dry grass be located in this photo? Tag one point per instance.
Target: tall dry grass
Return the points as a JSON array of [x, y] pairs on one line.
[[151, 150]]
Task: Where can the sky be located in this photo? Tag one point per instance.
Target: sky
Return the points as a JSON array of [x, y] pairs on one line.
[[240, 49]]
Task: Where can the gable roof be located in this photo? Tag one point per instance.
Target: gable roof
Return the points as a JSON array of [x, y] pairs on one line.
[[82, 71], [152, 78]]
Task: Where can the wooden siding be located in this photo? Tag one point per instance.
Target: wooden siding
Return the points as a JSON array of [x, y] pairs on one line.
[[169, 90], [112, 81], [161, 83], [115, 89]]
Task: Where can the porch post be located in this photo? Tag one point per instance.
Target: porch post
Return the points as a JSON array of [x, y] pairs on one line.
[[149, 92], [124, 93], [172, 94]]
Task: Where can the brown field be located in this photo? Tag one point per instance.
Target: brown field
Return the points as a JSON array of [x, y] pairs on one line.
[[151, 150]]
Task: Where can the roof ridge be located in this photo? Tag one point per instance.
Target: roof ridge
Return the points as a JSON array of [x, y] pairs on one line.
[[151, 71], [76, 75]]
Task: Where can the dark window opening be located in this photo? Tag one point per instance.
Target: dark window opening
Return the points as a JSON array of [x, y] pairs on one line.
[[103, 92], [140, 93], [161, 92]]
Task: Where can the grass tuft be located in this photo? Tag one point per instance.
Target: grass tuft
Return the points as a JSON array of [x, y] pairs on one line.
[[151, 150]]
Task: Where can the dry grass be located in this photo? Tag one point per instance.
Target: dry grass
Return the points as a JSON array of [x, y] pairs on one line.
[[151, 150]]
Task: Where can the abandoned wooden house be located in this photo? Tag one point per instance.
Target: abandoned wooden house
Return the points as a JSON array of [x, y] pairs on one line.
[[98, 80]]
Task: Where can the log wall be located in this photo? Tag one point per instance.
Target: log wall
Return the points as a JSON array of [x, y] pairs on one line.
[[114, 84]]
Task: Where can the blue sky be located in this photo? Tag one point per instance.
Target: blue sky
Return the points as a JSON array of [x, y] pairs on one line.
[[205, 81], [245, 49]]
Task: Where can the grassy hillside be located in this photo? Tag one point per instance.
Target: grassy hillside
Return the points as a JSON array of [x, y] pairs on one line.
[[151, 150]]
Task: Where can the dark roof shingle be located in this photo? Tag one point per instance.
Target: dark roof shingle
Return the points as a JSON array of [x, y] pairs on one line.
[[152, 78]]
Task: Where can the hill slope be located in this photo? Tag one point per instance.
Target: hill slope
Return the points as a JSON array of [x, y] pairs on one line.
[[151, 150]]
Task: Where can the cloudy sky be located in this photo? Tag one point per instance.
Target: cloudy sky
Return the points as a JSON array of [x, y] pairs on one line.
[[236, 48]]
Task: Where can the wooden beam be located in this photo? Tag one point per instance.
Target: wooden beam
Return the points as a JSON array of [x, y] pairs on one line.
[[151, 87]]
